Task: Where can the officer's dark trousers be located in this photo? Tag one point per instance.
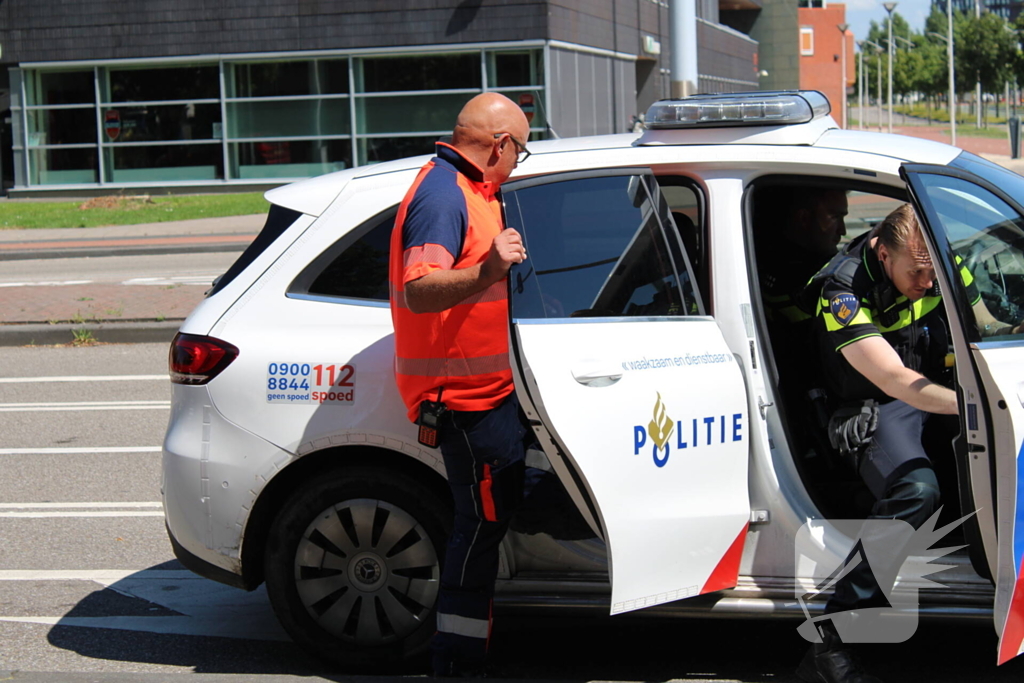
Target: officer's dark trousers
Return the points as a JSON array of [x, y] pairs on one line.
[[484, 456], [897, 471]]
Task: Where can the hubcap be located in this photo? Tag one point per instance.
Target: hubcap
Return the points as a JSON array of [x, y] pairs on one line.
[[367, 572]]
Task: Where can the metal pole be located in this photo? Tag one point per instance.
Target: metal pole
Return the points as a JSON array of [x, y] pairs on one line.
[[842, 81], [952, 83], [683, 19], [860, 90], [889, 7], [977, 92]]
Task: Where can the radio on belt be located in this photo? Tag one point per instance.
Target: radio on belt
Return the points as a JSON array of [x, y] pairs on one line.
[[431, 413]]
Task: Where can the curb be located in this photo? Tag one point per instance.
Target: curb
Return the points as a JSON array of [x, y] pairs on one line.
[[110, 333]]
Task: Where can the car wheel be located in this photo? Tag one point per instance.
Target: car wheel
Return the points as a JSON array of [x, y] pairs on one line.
[[353, 565]]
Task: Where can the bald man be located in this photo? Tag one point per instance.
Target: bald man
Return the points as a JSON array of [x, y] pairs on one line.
[[450, 256]]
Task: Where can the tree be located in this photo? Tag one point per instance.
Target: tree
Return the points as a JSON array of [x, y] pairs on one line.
[[986, 51], [1018, 62]]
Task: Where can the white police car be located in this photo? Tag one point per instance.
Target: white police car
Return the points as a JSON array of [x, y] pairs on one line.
[[643, 358]]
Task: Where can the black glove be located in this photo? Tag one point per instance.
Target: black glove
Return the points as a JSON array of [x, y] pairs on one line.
[[851, 427]]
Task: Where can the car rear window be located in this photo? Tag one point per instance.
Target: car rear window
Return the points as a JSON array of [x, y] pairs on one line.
[[354, 267], [279, 219]]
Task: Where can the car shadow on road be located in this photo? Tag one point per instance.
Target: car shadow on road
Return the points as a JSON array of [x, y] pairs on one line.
[[167, 616]]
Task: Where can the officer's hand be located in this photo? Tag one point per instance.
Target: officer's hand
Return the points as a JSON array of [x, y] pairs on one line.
[[851, 427], [506, 249]]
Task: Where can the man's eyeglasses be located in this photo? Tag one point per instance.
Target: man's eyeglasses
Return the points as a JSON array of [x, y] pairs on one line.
[[522, 154]]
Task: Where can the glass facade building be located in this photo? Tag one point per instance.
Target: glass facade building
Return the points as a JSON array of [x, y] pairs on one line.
[[253, 118]]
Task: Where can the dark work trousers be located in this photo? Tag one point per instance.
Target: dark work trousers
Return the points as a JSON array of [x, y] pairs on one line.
[[898, 472], [484, 456]]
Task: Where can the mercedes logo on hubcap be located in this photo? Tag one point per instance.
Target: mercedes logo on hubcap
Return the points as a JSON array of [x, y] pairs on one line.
[[367, 570]]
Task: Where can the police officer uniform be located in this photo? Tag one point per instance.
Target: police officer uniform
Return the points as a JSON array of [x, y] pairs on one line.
[[856, 301]]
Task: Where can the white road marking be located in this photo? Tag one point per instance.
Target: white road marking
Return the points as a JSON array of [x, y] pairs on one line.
[[62, 283], [80, 451], [83, 378], [104, 576], [91, 513], [91, 509], [72, 406], [54, 506], [204, 280]]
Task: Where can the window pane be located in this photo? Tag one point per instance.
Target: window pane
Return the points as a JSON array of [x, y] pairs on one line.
[[530, 102], [288, 118], [429, 72], [280, 79], [509, 69], [162, 122], [60, 87], [376, 150], [987, 235], [294, 159], [408, 114], [179, 83], [164, 163], [61, 126], [596, 249], [63, 166], [361, 271]]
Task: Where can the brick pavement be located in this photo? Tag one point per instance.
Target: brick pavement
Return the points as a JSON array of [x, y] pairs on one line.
[[98, 302], [975, 145]]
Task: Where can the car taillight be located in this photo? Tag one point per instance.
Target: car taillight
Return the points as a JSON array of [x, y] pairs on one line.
[[196, 360]]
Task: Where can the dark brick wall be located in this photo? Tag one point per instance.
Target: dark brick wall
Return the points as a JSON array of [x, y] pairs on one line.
[[57, 30], [725, 54]]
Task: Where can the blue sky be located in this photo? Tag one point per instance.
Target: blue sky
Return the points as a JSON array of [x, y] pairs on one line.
[[860, 13]]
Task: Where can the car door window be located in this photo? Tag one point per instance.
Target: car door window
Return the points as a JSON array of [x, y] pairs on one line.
[[596, 248], [987, 238]]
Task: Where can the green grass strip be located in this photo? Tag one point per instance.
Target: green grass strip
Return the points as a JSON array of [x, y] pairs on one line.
[[126, 210]]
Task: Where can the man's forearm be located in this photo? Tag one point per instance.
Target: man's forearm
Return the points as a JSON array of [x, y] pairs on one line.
[[442, 289], [917, 390]]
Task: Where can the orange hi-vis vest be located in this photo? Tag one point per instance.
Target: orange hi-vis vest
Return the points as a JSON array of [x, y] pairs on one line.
[[447, 221]]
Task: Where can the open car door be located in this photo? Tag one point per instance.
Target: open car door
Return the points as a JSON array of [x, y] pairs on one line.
[[632, 391], [976, 228]]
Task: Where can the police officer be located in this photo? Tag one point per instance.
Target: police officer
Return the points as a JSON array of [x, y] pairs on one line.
[[798, 231], [449, 260], [807, 225], [880, 333]]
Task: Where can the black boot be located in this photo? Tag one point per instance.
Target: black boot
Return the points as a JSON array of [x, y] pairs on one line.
[[831, 662]]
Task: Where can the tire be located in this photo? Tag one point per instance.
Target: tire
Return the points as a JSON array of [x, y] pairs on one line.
[[353, 565]]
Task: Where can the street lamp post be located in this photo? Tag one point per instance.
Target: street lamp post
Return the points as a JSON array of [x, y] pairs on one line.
[[878, 102], [860, 89], [952, 83], [842, 91], [889, 7], [977, 85]]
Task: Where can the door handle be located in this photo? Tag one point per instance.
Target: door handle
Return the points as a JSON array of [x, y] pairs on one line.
[[597, 375]]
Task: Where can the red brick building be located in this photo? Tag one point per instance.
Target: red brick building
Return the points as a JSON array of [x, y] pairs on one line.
[[822, 54]]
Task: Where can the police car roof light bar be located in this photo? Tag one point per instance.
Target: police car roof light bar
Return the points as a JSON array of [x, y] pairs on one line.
[[772, 108]]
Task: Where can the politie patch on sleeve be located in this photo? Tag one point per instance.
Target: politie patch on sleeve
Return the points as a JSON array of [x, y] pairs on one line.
[[844, 307]]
